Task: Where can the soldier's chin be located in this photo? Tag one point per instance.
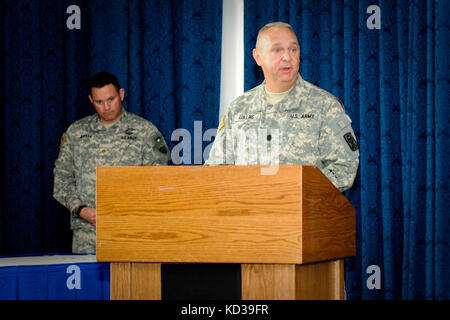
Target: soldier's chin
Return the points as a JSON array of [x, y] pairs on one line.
[[108, 119], [287, 77]]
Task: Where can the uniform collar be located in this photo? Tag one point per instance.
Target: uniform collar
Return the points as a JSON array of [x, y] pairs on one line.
[[97, 125], [298, 90]]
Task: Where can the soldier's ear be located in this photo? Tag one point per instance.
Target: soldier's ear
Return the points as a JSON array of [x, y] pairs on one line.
[[257, 57], [90, 99], [122, 94]]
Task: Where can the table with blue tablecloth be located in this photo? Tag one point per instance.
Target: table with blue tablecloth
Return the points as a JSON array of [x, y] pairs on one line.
[[54, 277]]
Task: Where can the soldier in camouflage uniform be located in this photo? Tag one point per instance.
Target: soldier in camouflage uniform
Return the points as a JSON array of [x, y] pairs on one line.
[[111, 137], [287, 120]]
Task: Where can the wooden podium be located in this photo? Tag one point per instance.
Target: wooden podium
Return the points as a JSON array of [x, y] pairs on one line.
[[289, 231]]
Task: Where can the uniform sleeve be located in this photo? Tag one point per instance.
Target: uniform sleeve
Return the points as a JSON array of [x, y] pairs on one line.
[[339, 151], [155, 150], [65, 186], [222, 150]]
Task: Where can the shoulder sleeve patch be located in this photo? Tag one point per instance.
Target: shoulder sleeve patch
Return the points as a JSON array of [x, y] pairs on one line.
[[63, 140], [340, 123], [222, 124]]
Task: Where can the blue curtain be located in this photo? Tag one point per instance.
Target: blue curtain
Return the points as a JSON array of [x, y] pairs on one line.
[[394, 84], [166, 54]]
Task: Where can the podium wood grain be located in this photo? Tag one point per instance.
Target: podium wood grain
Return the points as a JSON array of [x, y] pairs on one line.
[[224, 214], [315, 281], [320, 281], [284, 228], [268, 281], [173, 214], [135, 281]]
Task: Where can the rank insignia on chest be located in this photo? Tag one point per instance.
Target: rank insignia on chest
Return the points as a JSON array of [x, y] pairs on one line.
[[129, 134], [130, 131]]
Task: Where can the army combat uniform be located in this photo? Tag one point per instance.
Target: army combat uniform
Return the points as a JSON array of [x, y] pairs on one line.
[[87, 144], [309, 127]]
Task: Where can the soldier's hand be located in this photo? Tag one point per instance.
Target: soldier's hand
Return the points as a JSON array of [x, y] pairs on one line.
[[89, 214]]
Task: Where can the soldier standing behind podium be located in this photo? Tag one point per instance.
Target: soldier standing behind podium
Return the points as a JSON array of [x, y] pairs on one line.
[[309, 123], [110, 137]]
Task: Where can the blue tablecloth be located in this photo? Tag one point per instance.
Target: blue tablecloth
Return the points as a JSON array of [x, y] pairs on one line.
[[58, 277]]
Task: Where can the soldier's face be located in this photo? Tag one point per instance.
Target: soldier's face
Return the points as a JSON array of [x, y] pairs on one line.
[[107, 102], [278, 54]]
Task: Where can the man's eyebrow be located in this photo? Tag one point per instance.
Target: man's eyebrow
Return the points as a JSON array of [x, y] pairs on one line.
[[110, 97], [277, 44]]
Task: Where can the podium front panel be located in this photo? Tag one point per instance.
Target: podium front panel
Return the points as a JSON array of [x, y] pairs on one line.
[[221, 214]]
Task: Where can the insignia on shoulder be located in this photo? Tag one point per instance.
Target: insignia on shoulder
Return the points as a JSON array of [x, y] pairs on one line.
[[63, 140], [222, 124]]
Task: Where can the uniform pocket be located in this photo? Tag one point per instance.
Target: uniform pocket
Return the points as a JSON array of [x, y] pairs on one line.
[[299, 138]]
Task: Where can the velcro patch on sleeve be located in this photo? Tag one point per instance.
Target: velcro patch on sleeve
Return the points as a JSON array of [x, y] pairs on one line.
[[351, 141]]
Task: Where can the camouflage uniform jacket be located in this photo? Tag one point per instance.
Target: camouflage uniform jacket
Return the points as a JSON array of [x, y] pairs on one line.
[[87, 144], [307, 127]]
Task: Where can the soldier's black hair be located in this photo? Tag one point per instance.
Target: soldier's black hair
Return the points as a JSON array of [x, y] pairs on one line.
[[101, 79]]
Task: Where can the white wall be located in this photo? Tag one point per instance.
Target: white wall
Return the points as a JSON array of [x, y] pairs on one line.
[[232, 69]]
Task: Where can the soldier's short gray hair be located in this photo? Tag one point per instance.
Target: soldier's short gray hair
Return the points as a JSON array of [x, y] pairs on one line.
[[277, 24]]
